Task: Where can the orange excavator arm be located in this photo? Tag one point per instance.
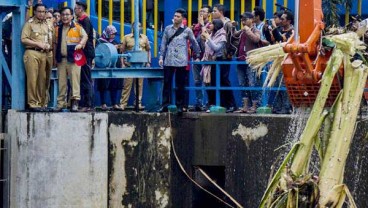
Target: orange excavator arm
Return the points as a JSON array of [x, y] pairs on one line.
[[304, 65], [304, 49]]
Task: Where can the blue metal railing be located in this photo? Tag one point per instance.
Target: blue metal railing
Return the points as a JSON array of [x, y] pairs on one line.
[[218, 87], [157, 73]]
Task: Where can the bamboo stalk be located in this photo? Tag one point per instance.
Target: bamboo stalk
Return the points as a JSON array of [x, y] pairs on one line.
[[328, 125], [340, 141], [275, 180], [276, 72], [299, 164], [272, 71], [266, 48], [334, 146]]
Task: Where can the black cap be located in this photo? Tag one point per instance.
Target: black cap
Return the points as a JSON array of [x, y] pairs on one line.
[[247, 15]]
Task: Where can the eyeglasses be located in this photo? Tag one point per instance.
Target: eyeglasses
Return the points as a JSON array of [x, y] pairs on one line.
[[65, 15]]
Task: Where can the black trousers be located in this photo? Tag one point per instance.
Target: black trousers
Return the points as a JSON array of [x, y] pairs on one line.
[[86, 85], [180, 81]]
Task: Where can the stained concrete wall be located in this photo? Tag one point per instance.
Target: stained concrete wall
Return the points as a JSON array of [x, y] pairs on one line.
[[128, 161], [247, 147], [89, 160], [139, 160], [58, 160]]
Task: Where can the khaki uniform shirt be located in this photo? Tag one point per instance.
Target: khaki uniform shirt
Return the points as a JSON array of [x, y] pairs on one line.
[[39, 31], [128, 43]]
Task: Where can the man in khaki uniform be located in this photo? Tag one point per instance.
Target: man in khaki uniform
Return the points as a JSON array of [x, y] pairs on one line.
[[37, 37], [69, 36], [128, 45]]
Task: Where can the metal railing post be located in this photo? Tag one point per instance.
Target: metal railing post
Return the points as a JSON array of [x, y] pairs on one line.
[[218, 84], [265, 94]]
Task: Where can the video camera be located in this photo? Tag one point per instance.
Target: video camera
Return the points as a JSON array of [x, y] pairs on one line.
[[269, 21]]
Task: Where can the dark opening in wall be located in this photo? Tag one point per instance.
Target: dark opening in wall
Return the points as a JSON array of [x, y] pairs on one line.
[[201, 198]]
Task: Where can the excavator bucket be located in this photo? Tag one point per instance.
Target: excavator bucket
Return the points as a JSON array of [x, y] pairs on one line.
[[303, 93]]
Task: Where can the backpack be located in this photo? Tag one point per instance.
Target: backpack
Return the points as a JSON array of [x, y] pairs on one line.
[[232, 43]]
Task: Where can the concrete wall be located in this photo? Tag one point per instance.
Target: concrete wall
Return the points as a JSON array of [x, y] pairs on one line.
[[123, 159], [139, 160], [58, 160], [247, 147]]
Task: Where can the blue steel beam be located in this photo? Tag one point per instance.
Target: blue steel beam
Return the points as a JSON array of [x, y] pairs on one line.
[[131, 72], [170, 7], [18, 76], [2, 63], [136, 25], [154, 75]]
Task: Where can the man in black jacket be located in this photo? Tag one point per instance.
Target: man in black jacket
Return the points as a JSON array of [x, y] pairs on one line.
[[87, 94]]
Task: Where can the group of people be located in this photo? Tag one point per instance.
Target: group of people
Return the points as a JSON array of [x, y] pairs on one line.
[[219, 40], [55, 39]]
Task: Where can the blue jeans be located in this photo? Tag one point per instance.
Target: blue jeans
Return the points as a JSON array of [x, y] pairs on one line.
[[248, 78], [198, 83], [280, 99]]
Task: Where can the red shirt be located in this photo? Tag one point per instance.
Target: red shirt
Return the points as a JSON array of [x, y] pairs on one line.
[[249, 40]]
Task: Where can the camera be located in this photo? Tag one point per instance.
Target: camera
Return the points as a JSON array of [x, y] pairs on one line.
[[269, 21]]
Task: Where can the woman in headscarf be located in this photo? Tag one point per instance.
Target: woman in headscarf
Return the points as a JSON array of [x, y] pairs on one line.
[[214, 49], [113, 84]]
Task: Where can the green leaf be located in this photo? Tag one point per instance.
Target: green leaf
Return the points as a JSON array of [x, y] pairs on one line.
[[275, 180], [328, 43]]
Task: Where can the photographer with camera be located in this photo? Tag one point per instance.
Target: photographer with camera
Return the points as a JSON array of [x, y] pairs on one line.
[[287, 29], [280, 29], [272, 26]]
